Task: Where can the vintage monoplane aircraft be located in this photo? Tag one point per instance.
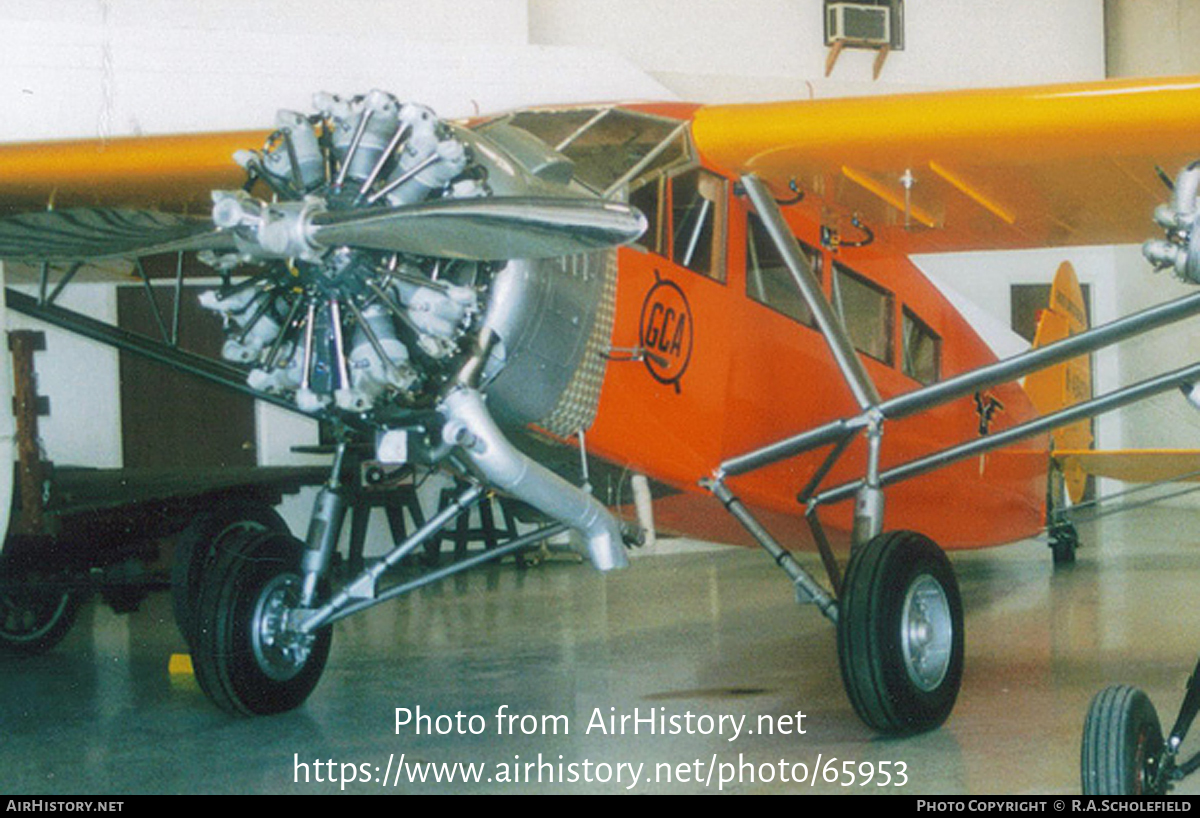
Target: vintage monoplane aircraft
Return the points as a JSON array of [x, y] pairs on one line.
[[716, 297]]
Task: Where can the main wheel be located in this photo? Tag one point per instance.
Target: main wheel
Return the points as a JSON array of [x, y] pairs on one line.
[[198, 544], [900, 634], [247, 659], [1122, 744], [35, 619]]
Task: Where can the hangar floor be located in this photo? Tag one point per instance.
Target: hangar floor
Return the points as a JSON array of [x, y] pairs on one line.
[[713, 633]]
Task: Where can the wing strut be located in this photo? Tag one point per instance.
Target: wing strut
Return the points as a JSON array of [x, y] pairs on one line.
[[868, 491], [865, 393], [868, 512]]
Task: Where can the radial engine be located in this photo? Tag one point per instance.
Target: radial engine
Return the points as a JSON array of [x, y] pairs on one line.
[[379, 334], [479, 322]]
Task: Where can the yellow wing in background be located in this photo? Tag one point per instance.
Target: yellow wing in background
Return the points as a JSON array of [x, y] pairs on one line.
[[172, 173], [1020, 167], [1135, 465]]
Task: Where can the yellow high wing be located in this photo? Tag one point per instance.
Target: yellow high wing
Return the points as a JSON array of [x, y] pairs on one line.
[[980, 169], [175, 173], [1071, 164]]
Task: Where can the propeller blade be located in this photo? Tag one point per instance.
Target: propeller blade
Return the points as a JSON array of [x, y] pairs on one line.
[[486, 229], [78, 234]]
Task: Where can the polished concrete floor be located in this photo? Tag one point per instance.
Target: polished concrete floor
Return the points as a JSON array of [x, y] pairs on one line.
[[712, 634]]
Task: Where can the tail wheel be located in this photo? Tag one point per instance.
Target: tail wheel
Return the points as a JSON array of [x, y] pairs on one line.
[[197, 546], [1122, 744], [1064, 542], [248, 660], [900, 634]]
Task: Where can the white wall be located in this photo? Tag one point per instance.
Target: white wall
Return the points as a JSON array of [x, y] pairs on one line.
[[1152, 37], [988, 279], [713, 50], [87, 68]]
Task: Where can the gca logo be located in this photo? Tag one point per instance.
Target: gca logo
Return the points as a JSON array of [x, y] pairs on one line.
[[665, 332]]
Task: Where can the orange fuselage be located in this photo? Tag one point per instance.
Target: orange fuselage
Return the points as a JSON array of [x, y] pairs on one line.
[[722, 374]]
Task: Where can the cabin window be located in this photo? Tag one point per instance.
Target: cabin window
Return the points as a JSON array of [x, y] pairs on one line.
[[768, 280], [698, 222], [649, 200], [922, 350], [866, 311]]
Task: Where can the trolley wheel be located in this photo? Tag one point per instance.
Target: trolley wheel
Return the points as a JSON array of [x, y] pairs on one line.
[[247, 660], [900, 634], [1122, 744], [196, 548], [34, 619]]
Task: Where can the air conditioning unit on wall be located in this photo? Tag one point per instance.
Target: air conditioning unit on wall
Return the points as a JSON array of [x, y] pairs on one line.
[[858, 24]]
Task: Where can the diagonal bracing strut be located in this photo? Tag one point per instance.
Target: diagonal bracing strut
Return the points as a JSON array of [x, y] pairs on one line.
[[874, 411]]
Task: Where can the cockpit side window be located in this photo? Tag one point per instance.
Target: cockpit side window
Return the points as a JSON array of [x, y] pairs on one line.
[[648, 198], [768, 280], [866, 310], [698, 222], [922, 350]]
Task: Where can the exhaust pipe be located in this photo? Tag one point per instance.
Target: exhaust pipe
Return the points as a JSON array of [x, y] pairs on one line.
[[470, 426]]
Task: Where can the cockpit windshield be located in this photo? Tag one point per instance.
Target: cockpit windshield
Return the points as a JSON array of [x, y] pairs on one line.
[[611, 148]]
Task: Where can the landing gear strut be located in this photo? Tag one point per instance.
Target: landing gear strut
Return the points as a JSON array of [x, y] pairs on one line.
[[1064, 541], [261, 627]]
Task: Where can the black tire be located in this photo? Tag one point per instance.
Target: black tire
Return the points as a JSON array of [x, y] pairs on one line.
[[1122, 744], [196, 548], [34, 620], [244, 664], [900, 634]]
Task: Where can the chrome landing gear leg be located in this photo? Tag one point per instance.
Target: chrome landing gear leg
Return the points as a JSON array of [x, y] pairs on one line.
[[868, 502], [1187, 714], [899, 618], [248, 655], [324, 530]]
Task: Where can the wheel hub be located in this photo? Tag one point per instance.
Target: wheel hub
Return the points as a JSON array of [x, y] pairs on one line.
[[927, 633], [280, 651]]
